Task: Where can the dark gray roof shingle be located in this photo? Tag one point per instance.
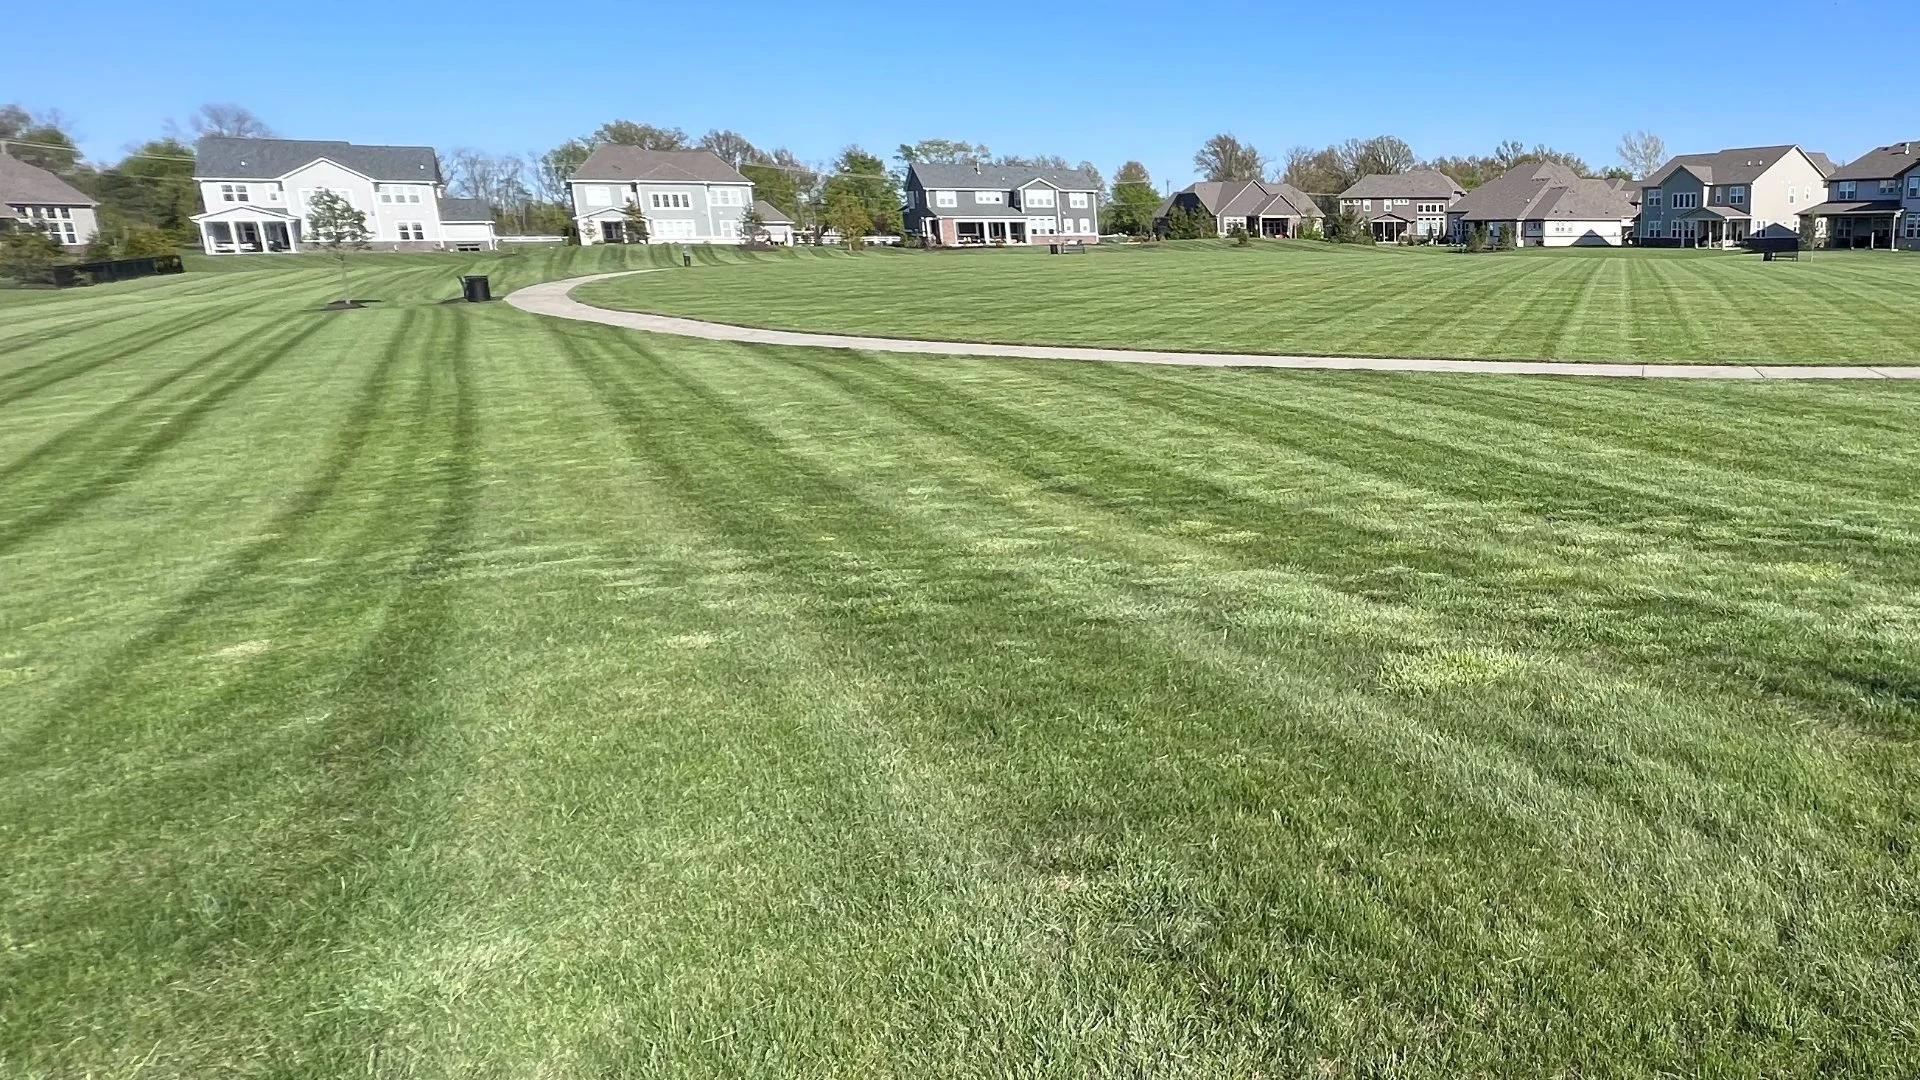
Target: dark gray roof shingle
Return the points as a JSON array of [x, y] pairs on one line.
[[632, 165], [771, 214], [1742, 165], [998, 177], [221, 158], [31, 185], [1880, 163], [1426, 184], [1544, 192]]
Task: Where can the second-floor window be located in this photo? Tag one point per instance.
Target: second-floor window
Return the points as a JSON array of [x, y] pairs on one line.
[[1653, 198], [1737, 195], [945, 198], [1913, 186], [729, 196], [1039, 197], [988, 197], [233, 193], [1843, 190], [1685, 200], [1890, 187], [1077, 200], [670, 200], [394, 193]]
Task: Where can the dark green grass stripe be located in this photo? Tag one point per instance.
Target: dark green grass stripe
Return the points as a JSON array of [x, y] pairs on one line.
[[78, 492], [24, 382]]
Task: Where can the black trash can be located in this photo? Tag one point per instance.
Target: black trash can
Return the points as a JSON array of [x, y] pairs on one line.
[[476, 289], [686, 255]]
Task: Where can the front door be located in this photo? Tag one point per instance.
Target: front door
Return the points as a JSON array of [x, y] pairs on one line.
[[614, 232], [249, 234]]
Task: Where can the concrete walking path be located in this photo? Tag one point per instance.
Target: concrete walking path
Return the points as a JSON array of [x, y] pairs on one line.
[[554, 298]]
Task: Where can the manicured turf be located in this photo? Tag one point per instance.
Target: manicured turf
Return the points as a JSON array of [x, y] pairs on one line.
[[1633, 306], [436, 690]]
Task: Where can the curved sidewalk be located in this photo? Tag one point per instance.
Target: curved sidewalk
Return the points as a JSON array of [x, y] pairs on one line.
[[554, 298]]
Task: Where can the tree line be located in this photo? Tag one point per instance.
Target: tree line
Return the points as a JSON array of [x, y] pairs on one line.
[[149, 197], [1327, 171]]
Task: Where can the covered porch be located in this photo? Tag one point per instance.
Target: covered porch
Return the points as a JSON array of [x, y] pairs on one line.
[[1868, 225], [1270, 226], [988, 231], [248, 230], [1718, 226]]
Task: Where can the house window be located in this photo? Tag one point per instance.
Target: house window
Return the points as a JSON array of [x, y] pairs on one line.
[[1911, 231], [233, 193], [1040, 226], [1913, 186], [729, 229], [1737, 195], [1653, 198], [390, 193], [1077, 200], [728, 197], [671, 200], [674, 229], [1038, 197], [1843, 190], [1367, 205], [412, 230], [1793, 194], [993, 197], [1685, 200], [946, 198], [598, 196], [1890, 187], [1086, 227]]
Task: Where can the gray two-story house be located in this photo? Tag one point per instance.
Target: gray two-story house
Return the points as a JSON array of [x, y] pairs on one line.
[[1404, 206], [1721, 199], [686, 196], [1872, 201], [971, 204]]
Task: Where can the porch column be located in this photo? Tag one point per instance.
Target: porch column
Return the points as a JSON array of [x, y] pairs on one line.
[[206, 238]]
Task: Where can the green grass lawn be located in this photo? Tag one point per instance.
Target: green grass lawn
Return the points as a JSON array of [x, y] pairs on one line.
[[440, 691], [1631, 306]]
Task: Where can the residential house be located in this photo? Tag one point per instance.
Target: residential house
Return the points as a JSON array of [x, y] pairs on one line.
[[970, 203], [1404, 206], [1871, 202], [776, 226], [1260, 207], [258, 195], [33, 198], [1545, 205], [1721, 199], [686, 196]]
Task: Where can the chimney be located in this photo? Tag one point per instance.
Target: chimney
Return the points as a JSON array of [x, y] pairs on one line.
[[976, 166]]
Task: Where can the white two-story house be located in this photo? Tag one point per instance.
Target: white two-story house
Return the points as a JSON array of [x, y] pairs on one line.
[[1721, 199], [966, 204], [685, 196], [257, 194], [1872, 201]]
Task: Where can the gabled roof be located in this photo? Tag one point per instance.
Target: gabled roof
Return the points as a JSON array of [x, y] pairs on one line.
[[997, 177], [221, 158], [1419, 184], [465, 210], [32, 185], [1245, 198], [1742, 165], [1880, 163], [771, 214], [632, 165], [1544, 192]]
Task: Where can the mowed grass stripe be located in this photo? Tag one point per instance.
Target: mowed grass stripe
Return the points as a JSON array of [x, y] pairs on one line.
[[478, 694], [1315, 299]]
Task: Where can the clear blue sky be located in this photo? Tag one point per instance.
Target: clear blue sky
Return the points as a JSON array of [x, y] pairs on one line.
[[1132, 79]]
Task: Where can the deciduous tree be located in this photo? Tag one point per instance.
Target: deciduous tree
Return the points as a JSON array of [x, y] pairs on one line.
[[334, 222], [1225, 157], [864, 178], [942, 152], [1131, 206], [731, 147], [644, 136], [228, 120], [1642, 152]]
